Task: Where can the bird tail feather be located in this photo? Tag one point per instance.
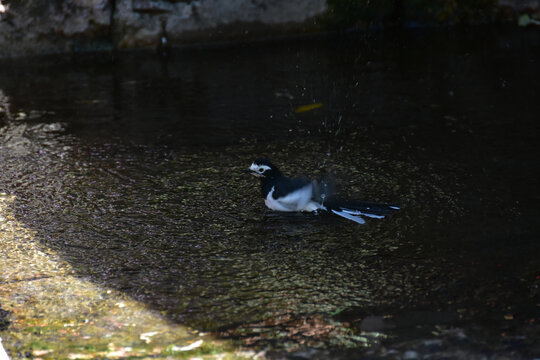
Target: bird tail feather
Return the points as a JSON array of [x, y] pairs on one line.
[[346, 215], [355, 210]]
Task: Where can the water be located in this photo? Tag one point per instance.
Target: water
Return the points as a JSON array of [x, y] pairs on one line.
[[130, 168]]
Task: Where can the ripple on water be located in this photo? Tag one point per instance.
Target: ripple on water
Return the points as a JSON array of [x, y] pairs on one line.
[[186, 233]]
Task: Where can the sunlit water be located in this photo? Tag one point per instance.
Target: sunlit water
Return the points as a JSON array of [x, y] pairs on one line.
[[131, 169]]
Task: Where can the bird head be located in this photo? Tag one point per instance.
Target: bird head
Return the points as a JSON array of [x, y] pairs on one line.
[[263, 168]]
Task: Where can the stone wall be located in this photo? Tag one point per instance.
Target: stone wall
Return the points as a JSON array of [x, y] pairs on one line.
[[142, 22], [49, 26], [54, 26], [30, 27]]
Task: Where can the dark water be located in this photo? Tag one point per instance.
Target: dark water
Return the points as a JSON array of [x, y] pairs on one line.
[[130, 167]]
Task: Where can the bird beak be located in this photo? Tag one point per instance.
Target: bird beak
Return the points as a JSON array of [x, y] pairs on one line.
[[251, 172]]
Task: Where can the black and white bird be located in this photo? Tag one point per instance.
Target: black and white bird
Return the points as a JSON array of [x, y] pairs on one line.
[[282, 193]]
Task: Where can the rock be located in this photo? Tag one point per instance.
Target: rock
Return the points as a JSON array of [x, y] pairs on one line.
[[411, 355], [39, 26], [4, 319], [520, 5], [139, 22], [375, 323]]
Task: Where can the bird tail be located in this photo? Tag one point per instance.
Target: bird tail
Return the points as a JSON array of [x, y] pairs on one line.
[[357, 210]]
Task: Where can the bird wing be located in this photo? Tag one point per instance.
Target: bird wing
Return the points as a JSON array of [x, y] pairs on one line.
[[285, 186], [293, 194]]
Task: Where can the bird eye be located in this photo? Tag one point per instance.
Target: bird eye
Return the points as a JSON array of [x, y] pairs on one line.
[[261, 170]]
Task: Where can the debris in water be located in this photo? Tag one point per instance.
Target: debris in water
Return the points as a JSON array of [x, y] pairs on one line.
[[525, 20], [146, 337], [189, 347], [309, 107]]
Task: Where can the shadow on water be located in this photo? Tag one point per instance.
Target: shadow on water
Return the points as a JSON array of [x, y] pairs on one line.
[[130, 169]]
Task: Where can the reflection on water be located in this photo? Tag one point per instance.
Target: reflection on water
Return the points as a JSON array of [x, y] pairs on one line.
[[131, 170]]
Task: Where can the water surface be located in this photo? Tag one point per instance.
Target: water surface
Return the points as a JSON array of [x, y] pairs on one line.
[[129, 166]]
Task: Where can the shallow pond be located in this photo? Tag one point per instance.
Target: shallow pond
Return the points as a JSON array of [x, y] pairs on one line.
[[129, 168]]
